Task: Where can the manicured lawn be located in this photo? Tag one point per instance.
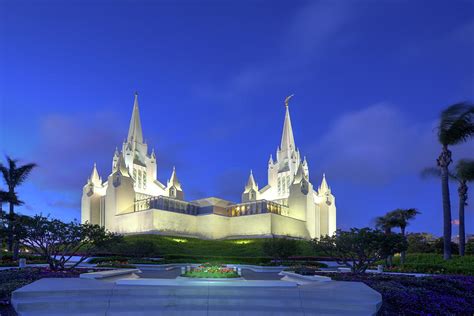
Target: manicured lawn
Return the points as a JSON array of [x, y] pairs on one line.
[[434, 264], [403, 295]]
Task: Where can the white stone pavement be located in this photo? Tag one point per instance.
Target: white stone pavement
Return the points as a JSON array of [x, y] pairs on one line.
[[77, 296]]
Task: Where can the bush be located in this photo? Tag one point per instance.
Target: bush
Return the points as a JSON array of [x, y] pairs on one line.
[[439, 246], [420, 243], [435, 264], [216, 259], [470, 247], [108, 259], [405, 295], [360, 248], [169, 245], [280, 248], [13, 279], [58, 241]]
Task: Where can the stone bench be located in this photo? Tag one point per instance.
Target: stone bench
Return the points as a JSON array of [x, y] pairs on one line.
[[110, 274], [303, 279]]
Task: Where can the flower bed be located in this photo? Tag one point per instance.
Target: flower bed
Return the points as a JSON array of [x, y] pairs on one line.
[[405, 295], [208, 270]]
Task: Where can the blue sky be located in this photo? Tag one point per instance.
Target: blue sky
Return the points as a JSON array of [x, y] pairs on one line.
[[369, 78]]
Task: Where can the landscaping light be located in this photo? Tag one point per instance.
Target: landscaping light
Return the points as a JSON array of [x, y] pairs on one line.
[[243, 242]]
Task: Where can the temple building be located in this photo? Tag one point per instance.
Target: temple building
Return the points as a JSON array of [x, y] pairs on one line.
[[133, 201]]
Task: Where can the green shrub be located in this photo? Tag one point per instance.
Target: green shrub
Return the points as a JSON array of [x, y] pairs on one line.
[[108, 259], [166, 245], [434, 264], [470, 247], [280, 248], [118, 265]]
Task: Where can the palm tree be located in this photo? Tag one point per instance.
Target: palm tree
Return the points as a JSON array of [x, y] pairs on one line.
[[456, 126], [464, 174], [386, 223], [14, 176], [401, 217], [3, 198]]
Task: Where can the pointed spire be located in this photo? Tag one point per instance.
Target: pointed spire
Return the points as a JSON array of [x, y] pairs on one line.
[[153, 155], [135, 129], [122, 167], [324, 187], [299, 174], [251, 184], [287, 139], [173, 181], [270, 161], [95, 178]]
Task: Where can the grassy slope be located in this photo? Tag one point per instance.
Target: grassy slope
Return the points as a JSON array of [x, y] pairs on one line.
[[167, 245]]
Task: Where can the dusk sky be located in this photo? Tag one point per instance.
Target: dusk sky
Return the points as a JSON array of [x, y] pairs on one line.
[[369, 77]]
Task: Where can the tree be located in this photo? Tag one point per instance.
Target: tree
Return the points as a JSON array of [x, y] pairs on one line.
[[401, 217], [10, 198], [360, 247], [280, 248], [14, 176], [463, 174], [58, 242], [386, 223], [455, 126], [420, 242]]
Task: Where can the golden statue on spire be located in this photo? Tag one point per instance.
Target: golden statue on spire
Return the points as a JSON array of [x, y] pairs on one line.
[[287, 100]]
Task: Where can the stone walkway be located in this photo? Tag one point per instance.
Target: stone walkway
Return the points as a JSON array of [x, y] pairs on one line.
[[75, 297]]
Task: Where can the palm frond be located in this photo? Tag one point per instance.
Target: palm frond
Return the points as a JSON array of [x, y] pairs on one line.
[[465, 169], [431, 172], [456, 123], [435, 172], [23, 172]]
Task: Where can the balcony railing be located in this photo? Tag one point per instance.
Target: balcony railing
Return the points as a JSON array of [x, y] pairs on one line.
[[257, 207], [167, 204], [178, 206]]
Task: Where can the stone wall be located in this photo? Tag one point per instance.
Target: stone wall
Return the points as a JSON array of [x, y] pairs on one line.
[[209, 226]]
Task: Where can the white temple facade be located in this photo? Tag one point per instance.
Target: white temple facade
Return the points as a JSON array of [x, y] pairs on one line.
[[132, 200]]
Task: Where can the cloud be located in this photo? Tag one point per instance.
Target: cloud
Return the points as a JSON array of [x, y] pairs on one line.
[[61, 204], [377, 144], [309, 30], [70, 144]]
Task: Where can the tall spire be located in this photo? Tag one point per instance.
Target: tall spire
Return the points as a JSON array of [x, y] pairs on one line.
[[251, 183], [173, 181], [135, 129], [95, 178], [287, 139], [324, 187]]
